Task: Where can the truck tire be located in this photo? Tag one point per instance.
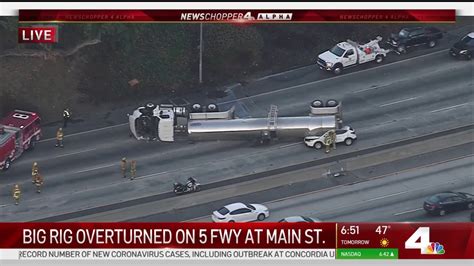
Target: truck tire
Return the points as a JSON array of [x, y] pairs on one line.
[[331, 103], [196, 108], [212, 107], [379, 59], [7, 165], [337, 69], [32, 144], [348, 141], [432, 43], [317, 104], [402, 49], [469, 56], [318, 145]]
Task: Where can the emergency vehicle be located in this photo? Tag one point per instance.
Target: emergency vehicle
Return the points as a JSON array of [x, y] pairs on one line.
[[19, 131], [349, 53]]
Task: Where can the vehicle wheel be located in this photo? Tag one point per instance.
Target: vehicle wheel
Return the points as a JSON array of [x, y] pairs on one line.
[[212, 107], [470, 205], [432, 44], [196, 108], [348, 141], [379, 59], [318, 145], [32, 144], [469, 56], [337, 70], [331, 103], [317, 103], [261, 217], [402, 49], [442, 213], [197, 188], [7, 165], [231, 221]]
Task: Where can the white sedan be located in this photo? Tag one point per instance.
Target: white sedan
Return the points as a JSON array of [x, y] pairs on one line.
[[240, 212], [346, 134]]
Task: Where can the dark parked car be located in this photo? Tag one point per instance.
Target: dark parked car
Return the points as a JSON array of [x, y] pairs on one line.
[[410, 37], [445, 202], [464, 47]]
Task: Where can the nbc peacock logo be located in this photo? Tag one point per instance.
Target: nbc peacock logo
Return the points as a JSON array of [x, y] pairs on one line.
[[434, 248]]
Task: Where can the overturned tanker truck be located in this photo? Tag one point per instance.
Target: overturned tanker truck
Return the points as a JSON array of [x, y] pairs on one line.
[[163, 122]]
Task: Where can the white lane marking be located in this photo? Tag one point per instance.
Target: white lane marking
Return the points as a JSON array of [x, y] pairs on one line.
[[409, 211], [72, 153], [448, 108], [95, 168], [332, 78], [289, 145], [284, 72], [400, 101], [373, 88], [86, 132], [390, 195]]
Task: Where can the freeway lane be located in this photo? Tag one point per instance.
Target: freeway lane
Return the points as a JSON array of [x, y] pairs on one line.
[[384, 199], [396, 197], [85, 174]]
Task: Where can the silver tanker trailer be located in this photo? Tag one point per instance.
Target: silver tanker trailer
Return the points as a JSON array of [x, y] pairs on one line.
[[162, 122]]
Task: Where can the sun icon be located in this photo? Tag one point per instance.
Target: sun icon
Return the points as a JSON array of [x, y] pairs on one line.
[[384, 242]]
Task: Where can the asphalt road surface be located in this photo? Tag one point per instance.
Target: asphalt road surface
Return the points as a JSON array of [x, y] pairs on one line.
[[386, 103], [396, 197], [401, 173]]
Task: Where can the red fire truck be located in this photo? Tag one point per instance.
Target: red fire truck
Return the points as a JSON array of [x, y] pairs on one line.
[[19, 131]]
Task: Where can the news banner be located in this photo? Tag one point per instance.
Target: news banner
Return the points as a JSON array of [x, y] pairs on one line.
[[266, 241]]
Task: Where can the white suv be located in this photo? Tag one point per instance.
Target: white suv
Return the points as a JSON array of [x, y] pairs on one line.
[[346, 135]]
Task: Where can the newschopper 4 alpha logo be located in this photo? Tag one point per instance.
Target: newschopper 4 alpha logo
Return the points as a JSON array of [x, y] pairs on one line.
[[420, 239]]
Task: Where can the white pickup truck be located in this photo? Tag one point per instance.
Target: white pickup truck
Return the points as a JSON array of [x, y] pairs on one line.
[[349, 53]]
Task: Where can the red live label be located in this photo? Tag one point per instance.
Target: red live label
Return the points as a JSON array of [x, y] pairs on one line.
[[37, 34]]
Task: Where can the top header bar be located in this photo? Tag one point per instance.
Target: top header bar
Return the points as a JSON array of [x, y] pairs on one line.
[[236, 16]]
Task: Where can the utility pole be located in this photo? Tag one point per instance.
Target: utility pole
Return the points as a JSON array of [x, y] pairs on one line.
[[200, 54]]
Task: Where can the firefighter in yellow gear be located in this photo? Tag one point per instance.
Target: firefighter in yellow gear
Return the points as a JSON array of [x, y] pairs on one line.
[[330, 139], [34, 172], [133, 169], [59, 137], [16, 194], [123, 167], [38, 183]]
